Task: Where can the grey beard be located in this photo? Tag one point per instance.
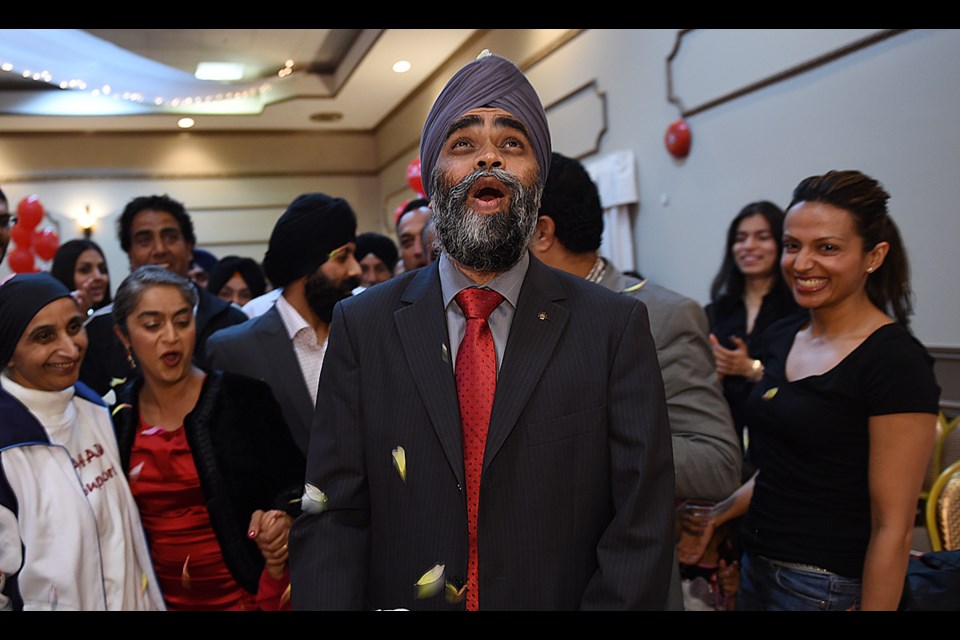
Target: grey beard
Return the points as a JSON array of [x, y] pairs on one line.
[[486, 243]]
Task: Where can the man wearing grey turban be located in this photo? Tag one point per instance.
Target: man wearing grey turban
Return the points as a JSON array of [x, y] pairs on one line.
[[563, 498]]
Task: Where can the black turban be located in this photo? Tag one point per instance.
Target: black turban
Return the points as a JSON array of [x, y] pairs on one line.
[[204, 259], [380, 246], [21, 298], [312, 226], [248, 269], [488, 81]]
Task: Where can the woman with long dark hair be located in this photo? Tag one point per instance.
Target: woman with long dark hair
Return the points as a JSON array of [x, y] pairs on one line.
[[81, 266], [748, 294]]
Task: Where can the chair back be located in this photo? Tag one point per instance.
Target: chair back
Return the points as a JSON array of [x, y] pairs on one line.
[[934, 467], [947, 449], [943, 510]]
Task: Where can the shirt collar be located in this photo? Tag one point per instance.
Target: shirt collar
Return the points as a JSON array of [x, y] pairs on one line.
[[507, 284], [293, 322]]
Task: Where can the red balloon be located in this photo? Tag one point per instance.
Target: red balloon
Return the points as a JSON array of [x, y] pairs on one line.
[[677, 139], [22, 236], [21, 260], [29, 212], [413, 177], [45, 243]]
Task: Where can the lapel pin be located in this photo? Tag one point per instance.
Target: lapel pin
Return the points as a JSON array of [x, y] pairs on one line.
[[542, 315]]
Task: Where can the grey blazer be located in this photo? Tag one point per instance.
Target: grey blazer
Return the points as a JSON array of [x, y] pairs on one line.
[[706, 454], [260, 348], [577, 489]]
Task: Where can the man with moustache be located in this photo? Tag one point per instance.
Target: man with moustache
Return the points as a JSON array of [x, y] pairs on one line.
[[410, 223], [310, 255], [156, 230], [573, 506]]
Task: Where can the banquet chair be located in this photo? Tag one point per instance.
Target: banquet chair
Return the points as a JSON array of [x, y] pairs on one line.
[[947, 448], [934, 466], [943, 510]]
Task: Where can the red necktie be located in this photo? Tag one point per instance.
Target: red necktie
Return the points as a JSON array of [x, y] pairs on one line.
[[476, 374]]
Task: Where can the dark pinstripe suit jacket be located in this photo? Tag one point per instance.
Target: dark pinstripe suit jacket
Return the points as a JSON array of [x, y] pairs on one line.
[[576, 500]]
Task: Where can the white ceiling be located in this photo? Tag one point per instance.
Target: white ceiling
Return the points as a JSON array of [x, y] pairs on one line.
[[335, 71]]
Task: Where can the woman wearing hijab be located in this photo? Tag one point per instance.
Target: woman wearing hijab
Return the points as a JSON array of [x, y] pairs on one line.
[[81, 266], [70, 535], [209, 458]]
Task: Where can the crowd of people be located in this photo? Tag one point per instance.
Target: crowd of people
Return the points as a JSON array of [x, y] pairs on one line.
[[484, 415]]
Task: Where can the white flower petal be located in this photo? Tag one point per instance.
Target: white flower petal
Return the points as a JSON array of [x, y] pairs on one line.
[[313, 500]]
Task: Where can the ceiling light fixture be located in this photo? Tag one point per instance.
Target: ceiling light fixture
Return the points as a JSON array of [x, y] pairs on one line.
[[287, 69], [401, 66], [186, 123], [219, 71]]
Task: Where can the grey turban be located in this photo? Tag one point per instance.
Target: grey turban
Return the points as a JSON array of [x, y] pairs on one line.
[[490, 81], [21, 298], [312, 226]]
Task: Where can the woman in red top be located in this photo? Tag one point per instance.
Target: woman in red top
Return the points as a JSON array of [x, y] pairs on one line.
[[210, 461]]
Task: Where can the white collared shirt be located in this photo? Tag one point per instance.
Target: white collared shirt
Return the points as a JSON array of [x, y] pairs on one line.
[[304, 340]]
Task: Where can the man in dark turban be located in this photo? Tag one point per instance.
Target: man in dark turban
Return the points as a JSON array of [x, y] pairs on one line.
[[377, 255], [310, 256], [463, 458]]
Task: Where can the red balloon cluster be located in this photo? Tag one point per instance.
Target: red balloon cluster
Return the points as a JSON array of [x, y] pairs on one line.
[[414, 179], [29, 241]]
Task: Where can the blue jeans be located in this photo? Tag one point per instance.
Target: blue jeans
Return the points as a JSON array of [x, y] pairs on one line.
[[768, 586]]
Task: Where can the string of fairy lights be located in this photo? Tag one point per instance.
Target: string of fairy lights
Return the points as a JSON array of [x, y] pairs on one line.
[[107, 90]]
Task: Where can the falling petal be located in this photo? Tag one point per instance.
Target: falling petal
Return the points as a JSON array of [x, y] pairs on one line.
[[454, 595], [117, 408], [430, 583], [313, 500], [772, 391], [185, 574], [114, 382], [285, 596], [400, 462], [135, 472]]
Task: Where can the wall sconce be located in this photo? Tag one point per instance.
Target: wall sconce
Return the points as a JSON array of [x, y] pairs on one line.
[[86, 220]]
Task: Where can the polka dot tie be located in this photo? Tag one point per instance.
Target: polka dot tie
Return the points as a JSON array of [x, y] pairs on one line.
[[476, 374]]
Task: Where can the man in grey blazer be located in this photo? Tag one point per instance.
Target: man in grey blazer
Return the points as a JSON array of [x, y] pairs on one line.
[[706, 452], [576, 495], [310, 255]]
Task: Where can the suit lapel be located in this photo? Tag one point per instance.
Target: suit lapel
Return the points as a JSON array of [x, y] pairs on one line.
[[537, 325], [422, 325], [282, 364]]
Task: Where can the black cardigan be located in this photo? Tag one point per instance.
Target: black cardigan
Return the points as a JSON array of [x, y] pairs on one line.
[[244, 454]]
